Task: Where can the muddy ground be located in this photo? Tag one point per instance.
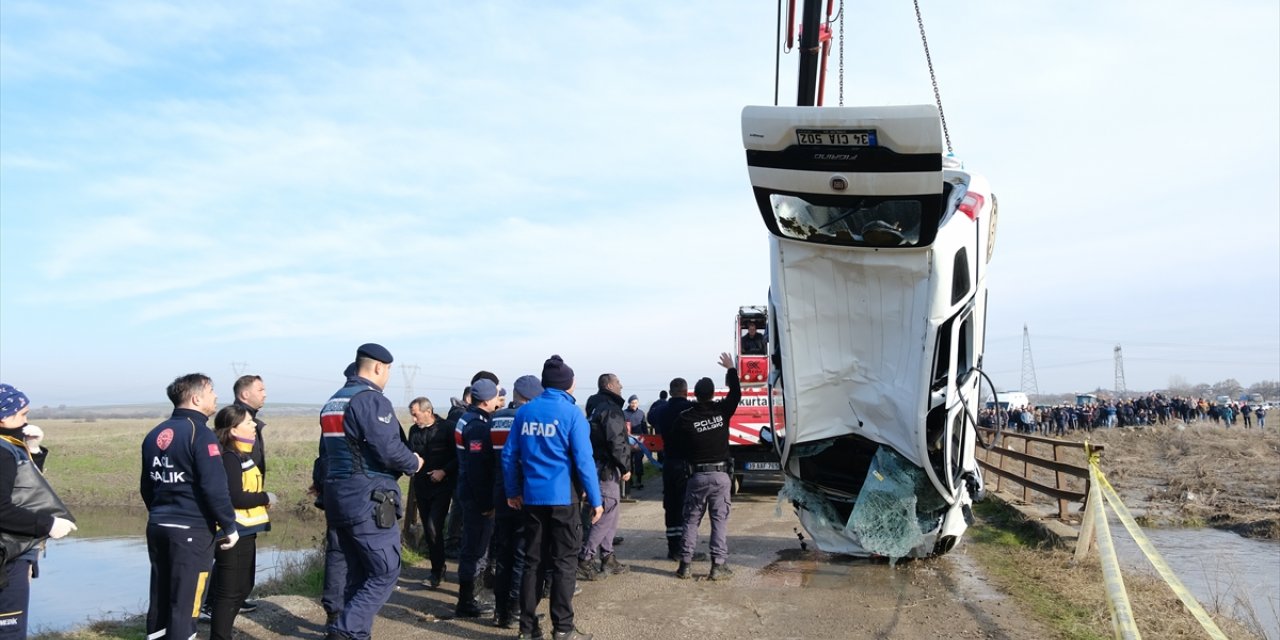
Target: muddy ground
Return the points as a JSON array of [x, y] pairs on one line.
[[1197, 475], [778, 591]]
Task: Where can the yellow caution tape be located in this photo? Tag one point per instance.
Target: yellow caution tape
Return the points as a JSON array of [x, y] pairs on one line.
[[1122, 621], [1148, 550]]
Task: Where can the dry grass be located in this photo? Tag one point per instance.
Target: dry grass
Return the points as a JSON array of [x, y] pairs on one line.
[[98, 462], [1070, 597]]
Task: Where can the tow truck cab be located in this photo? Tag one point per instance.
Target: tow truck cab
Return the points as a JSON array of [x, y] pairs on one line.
[[878, 250]]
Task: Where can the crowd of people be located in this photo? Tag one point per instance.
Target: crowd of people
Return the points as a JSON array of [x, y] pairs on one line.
[[533, 487], [1150, 409]]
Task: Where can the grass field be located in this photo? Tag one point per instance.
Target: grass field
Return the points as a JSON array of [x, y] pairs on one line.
[[98, 462]]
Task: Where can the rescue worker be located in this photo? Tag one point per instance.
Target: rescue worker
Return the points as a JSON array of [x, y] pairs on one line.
[[546, 465], [702, 432], [432, 438], [476, 471], [250, 394], [638, 426], [507, 555], [335, 564], [674, 467], [184, 486], [234, 568], [30, 511], [365, 453], [612, 456]]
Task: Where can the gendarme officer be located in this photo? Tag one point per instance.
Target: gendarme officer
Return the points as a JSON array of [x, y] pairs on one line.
[[365, 453], [702, 431]]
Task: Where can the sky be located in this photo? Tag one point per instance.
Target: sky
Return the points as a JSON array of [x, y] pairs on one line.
[[262, 187]]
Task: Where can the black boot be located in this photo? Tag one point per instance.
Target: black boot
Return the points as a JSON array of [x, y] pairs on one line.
[[504, 613], [685, 571], [612, 567], [468, 605], [587, 571], [720, 571]]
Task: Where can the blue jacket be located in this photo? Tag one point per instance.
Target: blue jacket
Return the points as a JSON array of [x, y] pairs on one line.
[[547, 458], [365, 451], [183, 482], [476, 465]]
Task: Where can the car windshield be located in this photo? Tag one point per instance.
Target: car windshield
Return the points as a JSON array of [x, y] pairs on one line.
[[867, 221]]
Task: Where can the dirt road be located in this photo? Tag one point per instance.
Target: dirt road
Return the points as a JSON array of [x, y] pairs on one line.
[[778, 591]]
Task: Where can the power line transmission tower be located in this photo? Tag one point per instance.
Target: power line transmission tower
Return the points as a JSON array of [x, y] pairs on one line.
[[410, 371], [1120, 386], [1029, 385], [239, 367]]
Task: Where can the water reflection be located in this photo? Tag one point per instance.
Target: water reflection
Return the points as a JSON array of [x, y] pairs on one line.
[[102, 572], [1225, 571]]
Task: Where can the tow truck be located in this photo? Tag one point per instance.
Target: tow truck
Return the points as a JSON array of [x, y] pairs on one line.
[[879, 246]]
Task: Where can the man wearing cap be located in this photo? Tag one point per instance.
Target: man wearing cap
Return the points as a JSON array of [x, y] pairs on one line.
[[612, 456], [30, 511], [365, 454], [184, 486], [674, 470], [506, 552], [476, 473], [546, 465], [453, 521], [638, 426], [335, 564], [432, 438], [702, 432]]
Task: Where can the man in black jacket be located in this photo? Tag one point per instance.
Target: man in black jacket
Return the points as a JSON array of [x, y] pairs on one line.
[[612, 456], [674, 469], [702, 432], [432, 437]]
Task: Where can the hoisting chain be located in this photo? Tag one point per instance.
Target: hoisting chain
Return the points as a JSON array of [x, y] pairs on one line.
[[841, 103], [932, 78]]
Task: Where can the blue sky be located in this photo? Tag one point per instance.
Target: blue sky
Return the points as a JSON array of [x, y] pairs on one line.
[[479, 185]]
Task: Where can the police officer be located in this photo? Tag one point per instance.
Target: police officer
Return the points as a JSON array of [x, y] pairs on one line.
[[365, 454], [335, 564], [546, 463], [675, 472], [476, 472], [184, 487], [702, 432], [30, 512], [507, 555], [612, 458], [432, 438]]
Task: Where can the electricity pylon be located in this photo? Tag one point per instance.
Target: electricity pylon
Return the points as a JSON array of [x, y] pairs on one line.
[[410, 371], [1029, 385], [238, 368], [1120, 386]]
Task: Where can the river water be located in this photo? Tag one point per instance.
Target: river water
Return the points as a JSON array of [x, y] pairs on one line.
[[1226, 572], [102, 571]]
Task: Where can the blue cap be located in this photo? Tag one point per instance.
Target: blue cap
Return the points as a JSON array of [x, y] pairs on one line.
[[375, 351], [483, 390], [528, 387]]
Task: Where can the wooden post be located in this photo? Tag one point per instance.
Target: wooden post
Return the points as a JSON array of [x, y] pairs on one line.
[[1026, 490], [1061, 480]]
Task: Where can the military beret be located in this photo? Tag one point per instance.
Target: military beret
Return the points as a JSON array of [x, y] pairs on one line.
[[375, 351]]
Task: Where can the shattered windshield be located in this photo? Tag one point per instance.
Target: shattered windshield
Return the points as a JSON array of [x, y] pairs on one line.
[[868, 220]]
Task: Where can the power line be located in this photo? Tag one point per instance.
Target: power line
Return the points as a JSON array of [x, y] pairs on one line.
[[410, 371]]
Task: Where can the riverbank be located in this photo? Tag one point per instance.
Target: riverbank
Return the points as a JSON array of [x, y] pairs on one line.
[[1196, 475]]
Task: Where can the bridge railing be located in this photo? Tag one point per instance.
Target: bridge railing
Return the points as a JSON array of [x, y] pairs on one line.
[[1053, 468]]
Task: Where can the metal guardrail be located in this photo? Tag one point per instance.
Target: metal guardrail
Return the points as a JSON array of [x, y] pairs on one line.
[[1015, 448]]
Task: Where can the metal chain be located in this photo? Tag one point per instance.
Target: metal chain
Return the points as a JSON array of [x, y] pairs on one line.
[[842, 53], [932, 78]]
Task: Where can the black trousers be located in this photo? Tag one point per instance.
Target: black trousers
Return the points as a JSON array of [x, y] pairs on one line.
[[180, 563], [233, 572], [553, 534], [433, 500], [674, 481]]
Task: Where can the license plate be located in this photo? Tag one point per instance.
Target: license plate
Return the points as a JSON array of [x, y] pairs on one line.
[[763, 466], [835, 137]]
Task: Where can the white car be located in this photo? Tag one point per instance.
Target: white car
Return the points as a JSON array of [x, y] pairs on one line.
[[879, 249]]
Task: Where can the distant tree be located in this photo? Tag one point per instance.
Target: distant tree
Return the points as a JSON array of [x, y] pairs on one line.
[[1229, 387], [1202, 390], [1268, 388], [1179, 386]]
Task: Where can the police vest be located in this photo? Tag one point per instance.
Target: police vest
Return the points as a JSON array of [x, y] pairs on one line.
[[345, 453], [31, 491]]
